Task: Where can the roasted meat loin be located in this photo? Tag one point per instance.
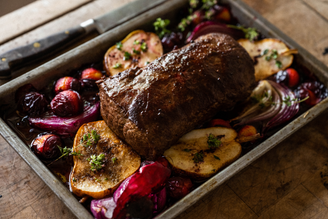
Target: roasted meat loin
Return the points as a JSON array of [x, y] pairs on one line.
[[152, 107]]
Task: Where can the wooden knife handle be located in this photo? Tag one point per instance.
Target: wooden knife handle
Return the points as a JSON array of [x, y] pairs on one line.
[[36, 50]]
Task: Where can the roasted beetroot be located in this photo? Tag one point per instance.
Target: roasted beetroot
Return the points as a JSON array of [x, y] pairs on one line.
[[46, 146], [33, 104], [67, 125], [67, 103], [179, 187], [150, 178]]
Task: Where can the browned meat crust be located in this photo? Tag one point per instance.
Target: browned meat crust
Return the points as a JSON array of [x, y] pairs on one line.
[[151, 108]]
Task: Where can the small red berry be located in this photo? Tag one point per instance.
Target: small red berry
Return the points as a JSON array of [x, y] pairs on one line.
[[67, 83], [46, 146], [67, 103], [91, 73], [312, 100], [293, 77], [179, 187], [219, 122], [198, 17]]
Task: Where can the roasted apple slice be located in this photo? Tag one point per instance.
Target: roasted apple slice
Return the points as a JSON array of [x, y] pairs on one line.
[[201, 153], [269, 55], [101, 161], [137, 49]]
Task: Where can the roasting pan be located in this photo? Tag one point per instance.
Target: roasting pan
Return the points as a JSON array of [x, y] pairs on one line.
[[94, 50]]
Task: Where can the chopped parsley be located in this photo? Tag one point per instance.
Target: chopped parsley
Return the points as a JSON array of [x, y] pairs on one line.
[[97, 162], [212, 141], [136, 42], [273, 55], [143, 46], [127, 56], [198, 157], [216, 157], [250, 32], [135, 51], [147, 63], [278, 64], [160, 27], [74, 180], [119, 45], [114, 159], [117, 65], [186, 150]]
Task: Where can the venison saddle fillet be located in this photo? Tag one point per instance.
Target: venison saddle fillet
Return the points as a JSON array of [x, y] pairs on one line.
[[152, 107]]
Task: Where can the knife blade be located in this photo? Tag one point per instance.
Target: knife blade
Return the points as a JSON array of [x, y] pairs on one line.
[[44, 47]]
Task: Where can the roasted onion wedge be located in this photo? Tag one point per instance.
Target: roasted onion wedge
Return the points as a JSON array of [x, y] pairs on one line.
[[100, 177], [137, 49], [269, 55], [194, 156]]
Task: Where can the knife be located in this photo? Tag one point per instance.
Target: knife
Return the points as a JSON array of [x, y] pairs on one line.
[[41, 48]]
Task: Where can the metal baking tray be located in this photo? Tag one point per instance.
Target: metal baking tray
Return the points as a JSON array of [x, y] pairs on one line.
[[94, 50]]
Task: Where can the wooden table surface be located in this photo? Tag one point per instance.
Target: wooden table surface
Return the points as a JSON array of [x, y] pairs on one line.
[[290, 181]]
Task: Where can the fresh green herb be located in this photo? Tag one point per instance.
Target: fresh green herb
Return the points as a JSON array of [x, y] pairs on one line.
[[78, 154], [97, 162], [288, 101], [135, 51], [207, 4], [250, 32], [114, 159], [278, 64], [273, 55], [160, 27], [74, 180], [185, 22], [265, 52], [186, 150], [147, 63], [64, 152], [127, 56], [97, 180], [212, 141], [193, 3], [90, 138], [106, 178], [198, 157], [216, 157], [143, 46], [136, 42], [117, 65], [95, 136], [119, 45]]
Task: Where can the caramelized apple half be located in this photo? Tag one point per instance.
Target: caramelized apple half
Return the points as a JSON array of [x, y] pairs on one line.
[[101, 161], [269, 55], [201, 153], [137, 49]]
